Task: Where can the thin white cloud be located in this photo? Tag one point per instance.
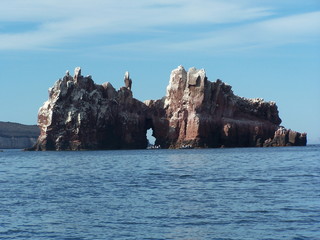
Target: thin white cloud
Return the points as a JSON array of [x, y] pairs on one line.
[[59, 20], [245, 24], [277, 31]]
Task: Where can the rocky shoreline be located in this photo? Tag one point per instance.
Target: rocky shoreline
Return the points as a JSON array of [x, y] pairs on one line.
[[17, 136], [82, 115]]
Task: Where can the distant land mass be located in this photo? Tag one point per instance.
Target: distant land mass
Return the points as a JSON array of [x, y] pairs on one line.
[[17, 136], [195, 113]]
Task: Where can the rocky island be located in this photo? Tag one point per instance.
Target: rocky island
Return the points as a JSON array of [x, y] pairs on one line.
[[82, 115]]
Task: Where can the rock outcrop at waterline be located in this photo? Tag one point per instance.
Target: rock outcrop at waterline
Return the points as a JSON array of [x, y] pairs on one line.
[[83, 115], [195, 112]]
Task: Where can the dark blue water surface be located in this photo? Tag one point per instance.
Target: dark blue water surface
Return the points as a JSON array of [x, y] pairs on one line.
[[248, 193]]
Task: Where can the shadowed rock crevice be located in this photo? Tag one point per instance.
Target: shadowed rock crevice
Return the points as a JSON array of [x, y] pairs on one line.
[[82, 115]]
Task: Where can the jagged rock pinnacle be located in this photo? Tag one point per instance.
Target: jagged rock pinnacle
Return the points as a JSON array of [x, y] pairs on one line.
[[195, 112]]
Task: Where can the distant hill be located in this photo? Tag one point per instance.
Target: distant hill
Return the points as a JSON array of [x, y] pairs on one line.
[[16, 135]]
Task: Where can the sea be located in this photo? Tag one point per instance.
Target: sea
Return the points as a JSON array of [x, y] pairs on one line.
[[227, 194]]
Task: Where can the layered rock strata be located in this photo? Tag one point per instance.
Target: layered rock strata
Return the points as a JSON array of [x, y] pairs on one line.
[[195, 112], [17, 136]]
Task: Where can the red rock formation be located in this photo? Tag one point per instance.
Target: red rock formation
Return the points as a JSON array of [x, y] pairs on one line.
[[284, 137], [195, 112], [201, 113], [82, 115]]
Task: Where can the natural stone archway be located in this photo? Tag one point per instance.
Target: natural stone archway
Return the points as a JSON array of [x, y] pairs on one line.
[[83, 115], [149, 131], [150, 137]]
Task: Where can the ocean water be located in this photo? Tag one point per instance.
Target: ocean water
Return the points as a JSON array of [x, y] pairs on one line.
[[244, 193]]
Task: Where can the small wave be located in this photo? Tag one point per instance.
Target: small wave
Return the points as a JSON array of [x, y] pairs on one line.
[[185, 176]]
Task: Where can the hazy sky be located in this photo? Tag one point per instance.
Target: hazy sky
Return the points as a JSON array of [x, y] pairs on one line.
[[267, 48]]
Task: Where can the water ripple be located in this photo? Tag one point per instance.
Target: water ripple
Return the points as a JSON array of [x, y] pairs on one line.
[[167, 194]]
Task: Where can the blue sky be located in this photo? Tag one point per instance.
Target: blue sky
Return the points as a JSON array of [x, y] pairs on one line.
[[268, 49]]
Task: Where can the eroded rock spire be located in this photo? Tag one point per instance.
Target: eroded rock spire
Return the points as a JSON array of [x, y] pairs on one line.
[[127, 80]]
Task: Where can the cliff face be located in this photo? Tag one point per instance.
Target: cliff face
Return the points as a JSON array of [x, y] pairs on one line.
[[17, 136], [201, 113], [195, 112], [82, 115]]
